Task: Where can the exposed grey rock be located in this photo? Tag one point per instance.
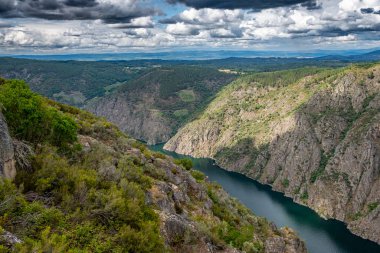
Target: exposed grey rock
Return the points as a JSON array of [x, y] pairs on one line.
[[137, 119], [9, 239], [275, 245], [7, 160], [326, 155]]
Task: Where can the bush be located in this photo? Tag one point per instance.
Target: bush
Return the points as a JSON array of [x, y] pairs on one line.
[[185, 163], [30, 118], [372, 206], [199, 176]]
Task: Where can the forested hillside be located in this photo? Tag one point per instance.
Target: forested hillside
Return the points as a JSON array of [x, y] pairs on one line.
[[153, 106], [84, 186], [148, 99], [70, 82]]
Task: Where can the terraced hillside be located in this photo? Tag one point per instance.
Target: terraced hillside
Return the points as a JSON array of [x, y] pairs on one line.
[[312, 134]]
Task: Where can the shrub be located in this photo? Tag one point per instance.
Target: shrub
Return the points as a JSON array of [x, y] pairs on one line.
[[372, 206], [199, 176], [185, 163], [285, 183], [30, 118]]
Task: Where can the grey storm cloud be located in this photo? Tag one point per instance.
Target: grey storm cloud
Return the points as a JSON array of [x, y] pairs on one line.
[[369, 11], [244, 4], [73, 10]]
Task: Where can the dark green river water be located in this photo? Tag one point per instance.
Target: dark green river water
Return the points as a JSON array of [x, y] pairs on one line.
[[321, 236]]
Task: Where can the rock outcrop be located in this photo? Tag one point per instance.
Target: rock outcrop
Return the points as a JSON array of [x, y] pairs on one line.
[[317, 140], [138, 119], [187, 211], [7, 160]]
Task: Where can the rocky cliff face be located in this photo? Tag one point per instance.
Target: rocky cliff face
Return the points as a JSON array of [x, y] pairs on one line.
[[138, 119], [7, 161], [317, 140]]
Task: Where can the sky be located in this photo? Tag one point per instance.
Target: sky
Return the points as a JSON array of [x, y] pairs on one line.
[[96, 26]]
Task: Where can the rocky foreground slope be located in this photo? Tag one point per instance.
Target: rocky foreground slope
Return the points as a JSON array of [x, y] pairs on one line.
[[317, 139], [90, 188]]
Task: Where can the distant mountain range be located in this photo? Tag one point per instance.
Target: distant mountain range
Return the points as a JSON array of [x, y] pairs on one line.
[[371, 56], [206, 55]]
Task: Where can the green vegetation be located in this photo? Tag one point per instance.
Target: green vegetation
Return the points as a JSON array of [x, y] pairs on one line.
[[181, 113], [187, 95], [91, 79], [372, 206], [234, 230], [285, 183], [78, 208], [94, 198], [32, 119], [305, 195], [185, 163], [179, 93], [199, 176], [357, 216], [322, 165], [279, 78]]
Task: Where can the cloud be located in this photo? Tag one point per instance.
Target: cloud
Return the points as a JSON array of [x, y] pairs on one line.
[[109, 11], [141, 22], [332, 18], [5, 24], [182, 29], [113, 25], [243, 4]]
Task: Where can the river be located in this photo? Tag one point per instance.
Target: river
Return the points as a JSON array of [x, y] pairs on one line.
[[321, 236]]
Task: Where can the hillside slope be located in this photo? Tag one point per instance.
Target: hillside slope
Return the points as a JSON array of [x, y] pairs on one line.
[[154, 106], [84, 186], [69, 82], [317, 139]]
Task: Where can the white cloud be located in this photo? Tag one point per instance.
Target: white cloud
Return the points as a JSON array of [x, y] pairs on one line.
[[181, 29], [210, 16], [335, 23]]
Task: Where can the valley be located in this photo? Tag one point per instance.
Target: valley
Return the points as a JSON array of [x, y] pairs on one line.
[[320, 235], [72, 182], [189, 126], [145, 98], [306, 131], [316, 138]]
